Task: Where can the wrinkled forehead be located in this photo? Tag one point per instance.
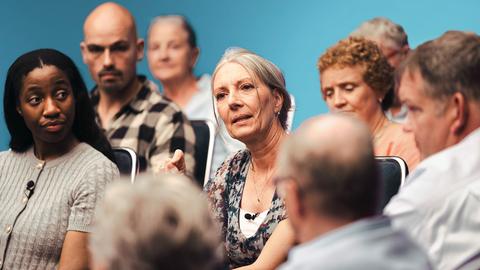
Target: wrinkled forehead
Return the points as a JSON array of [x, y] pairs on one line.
[[233, 70]]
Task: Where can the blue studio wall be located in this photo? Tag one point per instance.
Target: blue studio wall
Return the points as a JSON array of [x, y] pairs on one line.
[[292, 34]]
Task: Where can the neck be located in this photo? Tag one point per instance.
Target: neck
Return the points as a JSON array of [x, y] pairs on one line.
[[264, 152], [316, 226], [180, 90], [109, 98], [50, 151], [111, 103], [377, 122]]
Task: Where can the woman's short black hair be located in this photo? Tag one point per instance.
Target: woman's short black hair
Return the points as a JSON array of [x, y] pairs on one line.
[[84, 126]]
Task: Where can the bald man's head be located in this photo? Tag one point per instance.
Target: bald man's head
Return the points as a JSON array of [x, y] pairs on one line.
[[331, 160], [110, 17], [111, 47]]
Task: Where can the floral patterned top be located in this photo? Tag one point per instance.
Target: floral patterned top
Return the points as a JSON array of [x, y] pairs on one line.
[[225, 193]]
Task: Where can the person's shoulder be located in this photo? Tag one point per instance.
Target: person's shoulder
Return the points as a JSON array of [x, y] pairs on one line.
[[6, 153], [397, 132], [91, 156], [233, 161], [239, 156], [159, 102], [9, 155]]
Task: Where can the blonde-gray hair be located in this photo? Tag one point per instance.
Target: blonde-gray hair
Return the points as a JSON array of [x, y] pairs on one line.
[[384, 29], [160, 222], [261, 69]]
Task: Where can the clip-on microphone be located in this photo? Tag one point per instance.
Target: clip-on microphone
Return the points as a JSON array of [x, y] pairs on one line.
[[29, 189], [250, 216]]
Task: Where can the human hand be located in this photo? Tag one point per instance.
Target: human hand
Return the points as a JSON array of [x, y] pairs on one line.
[[176, 164]]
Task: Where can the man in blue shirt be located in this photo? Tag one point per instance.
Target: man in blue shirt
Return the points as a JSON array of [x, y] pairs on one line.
[[328, 178]]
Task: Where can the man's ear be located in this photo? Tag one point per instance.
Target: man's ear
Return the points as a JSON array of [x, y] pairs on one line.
[[140, 49], [294, 203], [459, 113], [83, 49]]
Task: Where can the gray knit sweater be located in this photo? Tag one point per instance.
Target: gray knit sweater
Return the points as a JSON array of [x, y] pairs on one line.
[[32, 230]]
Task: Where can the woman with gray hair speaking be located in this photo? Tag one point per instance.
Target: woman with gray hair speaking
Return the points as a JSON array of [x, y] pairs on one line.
[[252, 100]]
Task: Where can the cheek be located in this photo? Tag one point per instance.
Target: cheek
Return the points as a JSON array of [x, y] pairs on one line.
[[222, 109], [329, 102]]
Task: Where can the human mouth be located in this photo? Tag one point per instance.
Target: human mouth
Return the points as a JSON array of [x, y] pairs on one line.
[[110, 74], [344, 112], [240, 118], [54, 126]]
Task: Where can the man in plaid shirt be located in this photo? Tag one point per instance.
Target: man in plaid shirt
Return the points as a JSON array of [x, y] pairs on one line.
[[129, 108]]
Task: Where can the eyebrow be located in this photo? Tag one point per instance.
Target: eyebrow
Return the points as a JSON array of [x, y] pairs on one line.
[[62, 81], [91, 46], [243, 80]]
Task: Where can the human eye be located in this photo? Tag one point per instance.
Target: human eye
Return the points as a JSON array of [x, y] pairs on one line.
[[153, 47], [247, 86], [349, 87], [95, 49], [61, 94], [411, 108], [328, 92], [219, 96], [34, 100], [176, 45], [119, 47]]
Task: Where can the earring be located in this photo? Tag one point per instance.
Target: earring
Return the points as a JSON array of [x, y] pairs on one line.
[[19, 111]]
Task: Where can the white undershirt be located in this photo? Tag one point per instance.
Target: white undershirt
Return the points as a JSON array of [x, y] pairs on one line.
[[249, 227]]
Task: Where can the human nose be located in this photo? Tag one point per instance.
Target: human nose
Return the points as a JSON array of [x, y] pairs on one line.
[[234, 100], [338, 99], [107, 58], [50, 108], [163, 53]]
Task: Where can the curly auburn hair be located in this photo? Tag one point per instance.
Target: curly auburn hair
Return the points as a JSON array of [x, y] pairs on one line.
[[353, 51]]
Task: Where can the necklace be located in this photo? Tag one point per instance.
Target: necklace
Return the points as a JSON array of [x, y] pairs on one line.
[[266, 181]]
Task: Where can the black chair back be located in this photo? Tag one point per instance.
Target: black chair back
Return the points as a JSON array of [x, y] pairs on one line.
[[204, 142], [127, 162], [393, 171]]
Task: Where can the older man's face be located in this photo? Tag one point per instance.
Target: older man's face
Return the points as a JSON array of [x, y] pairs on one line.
[[425, 115]]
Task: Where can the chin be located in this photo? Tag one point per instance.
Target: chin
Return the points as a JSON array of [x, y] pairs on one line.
[[245, 137]]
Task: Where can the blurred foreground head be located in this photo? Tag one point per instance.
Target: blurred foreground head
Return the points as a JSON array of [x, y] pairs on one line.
[[160, 222]]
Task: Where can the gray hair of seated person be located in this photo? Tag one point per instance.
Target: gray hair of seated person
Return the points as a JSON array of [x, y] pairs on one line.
[[448, 64], [261, 69], [331, 160], [192, 37], [390, 33], [160, 222]]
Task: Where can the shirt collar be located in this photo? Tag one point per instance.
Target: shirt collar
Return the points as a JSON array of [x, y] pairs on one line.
[[344, 232], [138, 103]]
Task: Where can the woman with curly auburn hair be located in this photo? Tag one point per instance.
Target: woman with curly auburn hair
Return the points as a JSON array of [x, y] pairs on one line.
[[354, 78]]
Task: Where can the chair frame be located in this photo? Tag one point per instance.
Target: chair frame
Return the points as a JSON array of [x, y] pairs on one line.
[[401, 162], [211, 144], [133, 156]]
